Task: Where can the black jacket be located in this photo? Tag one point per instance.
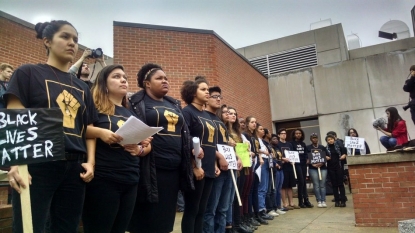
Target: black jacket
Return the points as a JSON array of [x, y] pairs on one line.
[[147, 186], [410, 87]]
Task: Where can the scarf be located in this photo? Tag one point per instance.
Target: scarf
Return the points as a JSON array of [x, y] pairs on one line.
[[336, 147]]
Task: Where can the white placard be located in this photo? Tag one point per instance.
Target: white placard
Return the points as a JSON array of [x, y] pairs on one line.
[[293, 156], [229, 153], [196, 150], [354, 142], [133, 131]]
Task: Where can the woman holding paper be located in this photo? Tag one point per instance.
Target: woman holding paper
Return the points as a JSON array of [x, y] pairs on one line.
[[116, 165], [196, 94], [396, 133], [319, 180], [365, 151], [56, 187], [167, 168], [335, 154]]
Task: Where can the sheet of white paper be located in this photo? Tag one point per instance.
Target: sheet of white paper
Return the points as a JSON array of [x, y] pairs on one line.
[[196, 149], [258, 172], [229, 153], [134, 131]]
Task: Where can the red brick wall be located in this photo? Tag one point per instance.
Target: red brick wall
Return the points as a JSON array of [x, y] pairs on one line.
[[383, 194], [184, 55], [18, 45]]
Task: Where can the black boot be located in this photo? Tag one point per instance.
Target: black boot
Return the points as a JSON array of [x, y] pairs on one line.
[[229, 230], [337, 204], [265, 216], [261, 220], [246, 223], [301, 203], [307, 203], [253, 221]]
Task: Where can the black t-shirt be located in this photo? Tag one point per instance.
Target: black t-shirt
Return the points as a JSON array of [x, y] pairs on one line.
[[166, 144], [112, 162], [300, 147], [43, 86], [201, 125], [3, 89], [335, 162], [222, 137], [283, 146], [320, 149]]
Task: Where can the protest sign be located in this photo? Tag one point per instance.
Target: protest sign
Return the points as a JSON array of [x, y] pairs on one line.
[[31, 136], [317, 156], [243, 153], [354, 142], [294, 157], [229, 154]]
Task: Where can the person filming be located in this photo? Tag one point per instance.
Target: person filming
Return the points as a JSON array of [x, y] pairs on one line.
[[410, 87]]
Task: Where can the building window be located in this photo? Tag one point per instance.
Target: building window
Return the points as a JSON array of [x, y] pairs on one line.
[[309, 126]]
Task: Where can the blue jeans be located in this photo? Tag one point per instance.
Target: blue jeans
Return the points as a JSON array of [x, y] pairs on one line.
[[263, 185], [229, 216], [279, 179], [319, 186], [180, 201], [214, 219], [388, 142], [57, 192]]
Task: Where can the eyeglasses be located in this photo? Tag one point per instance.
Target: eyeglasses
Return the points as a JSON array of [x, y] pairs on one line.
[[216, 97]]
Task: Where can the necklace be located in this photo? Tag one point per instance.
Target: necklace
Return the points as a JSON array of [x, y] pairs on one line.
[[314, 146], [67, 97]]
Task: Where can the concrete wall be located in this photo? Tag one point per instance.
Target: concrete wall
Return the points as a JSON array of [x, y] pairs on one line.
[[345, 94], [330, 44], [386, 47]]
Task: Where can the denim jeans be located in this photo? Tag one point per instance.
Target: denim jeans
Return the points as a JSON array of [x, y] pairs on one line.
[[279, 179], [58, 192], [263, 185], [229, 215], [388, 142], [214, 219], [180, 201], [319, 186]]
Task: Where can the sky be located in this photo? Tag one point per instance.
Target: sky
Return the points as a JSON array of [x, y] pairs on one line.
[[239, 22]]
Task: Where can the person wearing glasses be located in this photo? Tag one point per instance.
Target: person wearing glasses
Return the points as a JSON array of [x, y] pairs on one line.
[[218, 203], [289, 178]]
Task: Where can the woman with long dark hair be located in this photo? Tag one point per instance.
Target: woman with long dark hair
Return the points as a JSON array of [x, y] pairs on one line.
[[253, 203], [117, 166], [168, 167], [396, 133], [352, 132], [58, 187], [240, 219], [196, 94]]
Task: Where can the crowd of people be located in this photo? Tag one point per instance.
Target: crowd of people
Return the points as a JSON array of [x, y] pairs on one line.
[[116, 187]]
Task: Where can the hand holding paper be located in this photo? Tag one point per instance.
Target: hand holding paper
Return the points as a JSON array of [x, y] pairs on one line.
[[134, 131], [196, 151]]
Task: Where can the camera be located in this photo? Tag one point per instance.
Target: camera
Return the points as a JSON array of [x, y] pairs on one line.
[[96, 53], [406, 107]]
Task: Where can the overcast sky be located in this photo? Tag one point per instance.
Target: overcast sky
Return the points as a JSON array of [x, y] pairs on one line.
[[239, 22]]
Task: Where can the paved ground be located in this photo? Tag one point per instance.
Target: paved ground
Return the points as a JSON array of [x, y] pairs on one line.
[[321, 220]]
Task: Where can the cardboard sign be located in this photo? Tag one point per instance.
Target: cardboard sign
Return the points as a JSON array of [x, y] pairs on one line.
[[354, 142], [293, 156], [229, 153], [317, 156], [31, 136], [243, 153]]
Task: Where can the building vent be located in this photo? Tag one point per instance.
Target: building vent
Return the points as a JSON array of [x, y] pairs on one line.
[[293, 59]]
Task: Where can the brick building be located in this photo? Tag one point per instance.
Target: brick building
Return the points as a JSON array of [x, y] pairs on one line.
[[185, 53]]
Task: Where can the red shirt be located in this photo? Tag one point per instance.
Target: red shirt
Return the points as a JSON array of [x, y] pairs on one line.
[[400, 132]]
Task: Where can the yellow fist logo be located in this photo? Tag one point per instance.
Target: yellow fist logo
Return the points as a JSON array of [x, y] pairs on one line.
[[69, 106]]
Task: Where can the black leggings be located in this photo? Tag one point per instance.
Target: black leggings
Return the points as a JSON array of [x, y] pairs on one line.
[[301, 170], [336, 178], [195, 206], [108, 206]]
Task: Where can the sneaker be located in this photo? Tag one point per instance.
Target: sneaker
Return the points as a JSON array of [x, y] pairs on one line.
[[319, 205], [280, 212], [295, 207], [323, 204], [273, 213]]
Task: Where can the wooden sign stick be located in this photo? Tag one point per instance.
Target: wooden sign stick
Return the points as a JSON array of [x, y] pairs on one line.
[[25, 200], [319, 173], [272, 178], [236, 188], [295, 172], [353, 151]]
